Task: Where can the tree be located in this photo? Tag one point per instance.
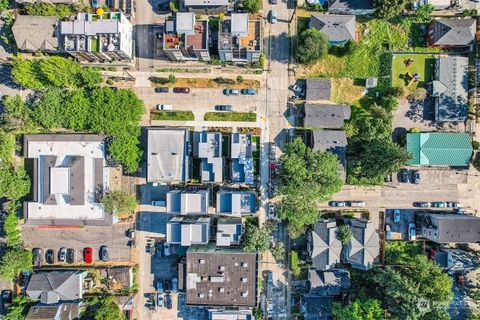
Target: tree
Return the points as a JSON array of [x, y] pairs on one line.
[[423, 13], [419, 94], [15, 114], [278, 251], [14, 184], [76, 110], [350, 46], [344, 234], [126, 150], [107, 309], [252, 6], [47, 9], [295, 263], [307, 178], [49, 111], [313, 46], [118, 202], [19, 308], [12, 230], [257, 239], [378, 159], [14, 261], [389, 103], [172, 79], [389, 9], [369, 309], [7, 147], [4, 5]]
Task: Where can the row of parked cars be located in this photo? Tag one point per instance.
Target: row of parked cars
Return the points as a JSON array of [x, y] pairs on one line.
[[219, 107], [234, 92], [66, 255], [356, 204], [175, 90], [407, 176], [160, 249], [437, 204]]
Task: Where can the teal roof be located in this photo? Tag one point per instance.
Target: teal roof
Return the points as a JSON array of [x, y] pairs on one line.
[[440, 148]]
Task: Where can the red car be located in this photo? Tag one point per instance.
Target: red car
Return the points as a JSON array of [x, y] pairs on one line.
[[181, 90], [87, 255]]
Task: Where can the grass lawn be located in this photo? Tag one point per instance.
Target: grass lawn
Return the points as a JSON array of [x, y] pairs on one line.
[[172, 115], [231, 116], [346, 90], [422, 64], [205, 83], [256, 155]]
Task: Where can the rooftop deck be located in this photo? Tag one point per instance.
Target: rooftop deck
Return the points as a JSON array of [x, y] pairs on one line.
[[199, 39], [252, 40]]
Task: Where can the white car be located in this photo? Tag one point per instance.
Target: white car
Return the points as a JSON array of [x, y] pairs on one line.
[[271, 211], [164, 107], [270, 308], [166, 249], [62, 255], [159, 203], [412, 232]]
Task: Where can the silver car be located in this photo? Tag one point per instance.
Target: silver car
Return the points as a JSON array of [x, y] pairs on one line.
[[62, 255]]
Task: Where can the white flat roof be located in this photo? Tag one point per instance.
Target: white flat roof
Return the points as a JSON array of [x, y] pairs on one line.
[[59, 180]]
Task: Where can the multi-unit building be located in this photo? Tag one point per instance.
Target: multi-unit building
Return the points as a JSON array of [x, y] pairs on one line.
[[241, 158], [239, 38], [236, 202], [98, 38], [448, 227], [229, 231], [186, 38], [183, 202], [187, 231], [208, 149]]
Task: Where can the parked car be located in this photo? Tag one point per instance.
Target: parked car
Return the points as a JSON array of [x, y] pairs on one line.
[[181, 90], [299, 92], [159, 286], [166, 249], [388, 232], [70, 255], [458, 211], [168, 301], [439, 204], [159, 203], [270, 277], [356, 204], [87, 255], [160, 300], [271, 211], [273, 16], [174, 284], [270, 308], [453, 204], [37, 257], [168, 286], [62, 255], [131, 233], [404, 176], [422, 204], [249, 91], [273, 1], [153, 300], [337, 204], [231, 92], [50, 256], [164, 107], [159, 249], [412, 232], [273, 150], [104, 253], [161, 89], [416, 176], [6, 299], [396, 216], [223, 107]]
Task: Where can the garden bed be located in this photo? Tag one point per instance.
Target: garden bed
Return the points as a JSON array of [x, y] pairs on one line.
[[206, 83], [172, 115], [231, 116]]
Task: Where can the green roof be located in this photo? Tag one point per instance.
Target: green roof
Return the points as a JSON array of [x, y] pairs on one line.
[[440, 148]]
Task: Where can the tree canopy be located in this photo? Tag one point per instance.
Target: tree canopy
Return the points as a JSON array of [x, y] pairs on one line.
[[257, 239], [388, 9], [19, 308], [252, 6], [307, 178], [14, 261], [118, 202], [14, 184], [344, 234], [107, 309], [313, 46], [369, 309], [48, 9]]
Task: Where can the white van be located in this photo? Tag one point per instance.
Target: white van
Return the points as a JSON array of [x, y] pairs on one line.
[[164, 107], [357, 204]]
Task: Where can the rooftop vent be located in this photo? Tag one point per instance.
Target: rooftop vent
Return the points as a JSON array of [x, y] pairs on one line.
[[244, 280], [245, 294], [244, 264], [201, 261]]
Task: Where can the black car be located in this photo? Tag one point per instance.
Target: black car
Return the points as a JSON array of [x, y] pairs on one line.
[[70, 255], [167, 286], [50, 256], [223, 107], [404, 176], [181, 90], [103, 253], [6, 299], [161, 90], [37, 257], [168, 301], [416, 176]]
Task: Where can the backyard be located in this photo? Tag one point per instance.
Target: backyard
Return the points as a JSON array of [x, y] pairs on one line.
[[421, 64]]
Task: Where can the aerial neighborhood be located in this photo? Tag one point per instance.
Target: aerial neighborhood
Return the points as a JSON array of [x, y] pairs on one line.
[[239, 159]]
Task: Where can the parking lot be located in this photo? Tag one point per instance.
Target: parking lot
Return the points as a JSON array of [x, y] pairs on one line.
[[406, 216], [115, 237]]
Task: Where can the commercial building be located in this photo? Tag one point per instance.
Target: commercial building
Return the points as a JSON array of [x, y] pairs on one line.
[[221, 277], [236, 202], [188, 202], [98, 38], [186, 231], [69, 176], [186, 38], [168, 158], [448, 228], [240, 39]]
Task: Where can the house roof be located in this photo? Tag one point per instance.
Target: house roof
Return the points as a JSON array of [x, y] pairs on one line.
[[203, 3], [187, 231], [325, 248], [208, 147], [338, 28], [60, 311], [120, 277], [229, 231], [36, 33], [328, 283], [365, 245], [54, 286], [440, 148], [314, 307], [450, 87], [236, 202], [318, 89], [448, 227], [242, 158], [334, 141], [325, 116], [348, 5], [220, 276], [188, 201], [453, 32]]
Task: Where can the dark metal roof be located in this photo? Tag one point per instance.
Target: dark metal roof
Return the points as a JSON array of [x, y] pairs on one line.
[[453, 32]]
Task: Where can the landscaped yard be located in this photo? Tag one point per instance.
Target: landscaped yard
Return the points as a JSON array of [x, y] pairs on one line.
[[206, 83], [231, 116], [346, 90], [172, 115], [423, 65]]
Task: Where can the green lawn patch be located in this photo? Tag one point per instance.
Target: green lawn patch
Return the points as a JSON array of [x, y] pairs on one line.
[[172, 115], [423, 64], [231, 116]]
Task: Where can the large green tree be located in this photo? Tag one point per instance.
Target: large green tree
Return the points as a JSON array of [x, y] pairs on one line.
[[14, 184], [369, 309], [12, 230], [14, 261], [19, 308], [118, 202], [307, 178], [252, 6], [47, 9], [107, 309], [388, 9], [257, 239], [313, 45], [15, 116]]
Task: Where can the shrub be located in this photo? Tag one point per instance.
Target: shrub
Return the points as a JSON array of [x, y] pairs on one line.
[[118, 202], [344, 234], [239, 79], [349, 47], [172, 79], [313, 46], [295, 263], [414, 130], [158, 80], [221, 16], [475, 145], [418, 94], [173, 5], [252, 6]]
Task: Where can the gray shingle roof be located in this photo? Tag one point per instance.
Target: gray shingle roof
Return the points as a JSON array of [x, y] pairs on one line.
[[348, 5], [334, 141], [54, 286], [450, 88], [325, 116], [314, 307], [445, 227], [318, 89], [328, 283], [35, 33], [324, 247], [61, 311], [338, 28], [365, 245], [453, 32]]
